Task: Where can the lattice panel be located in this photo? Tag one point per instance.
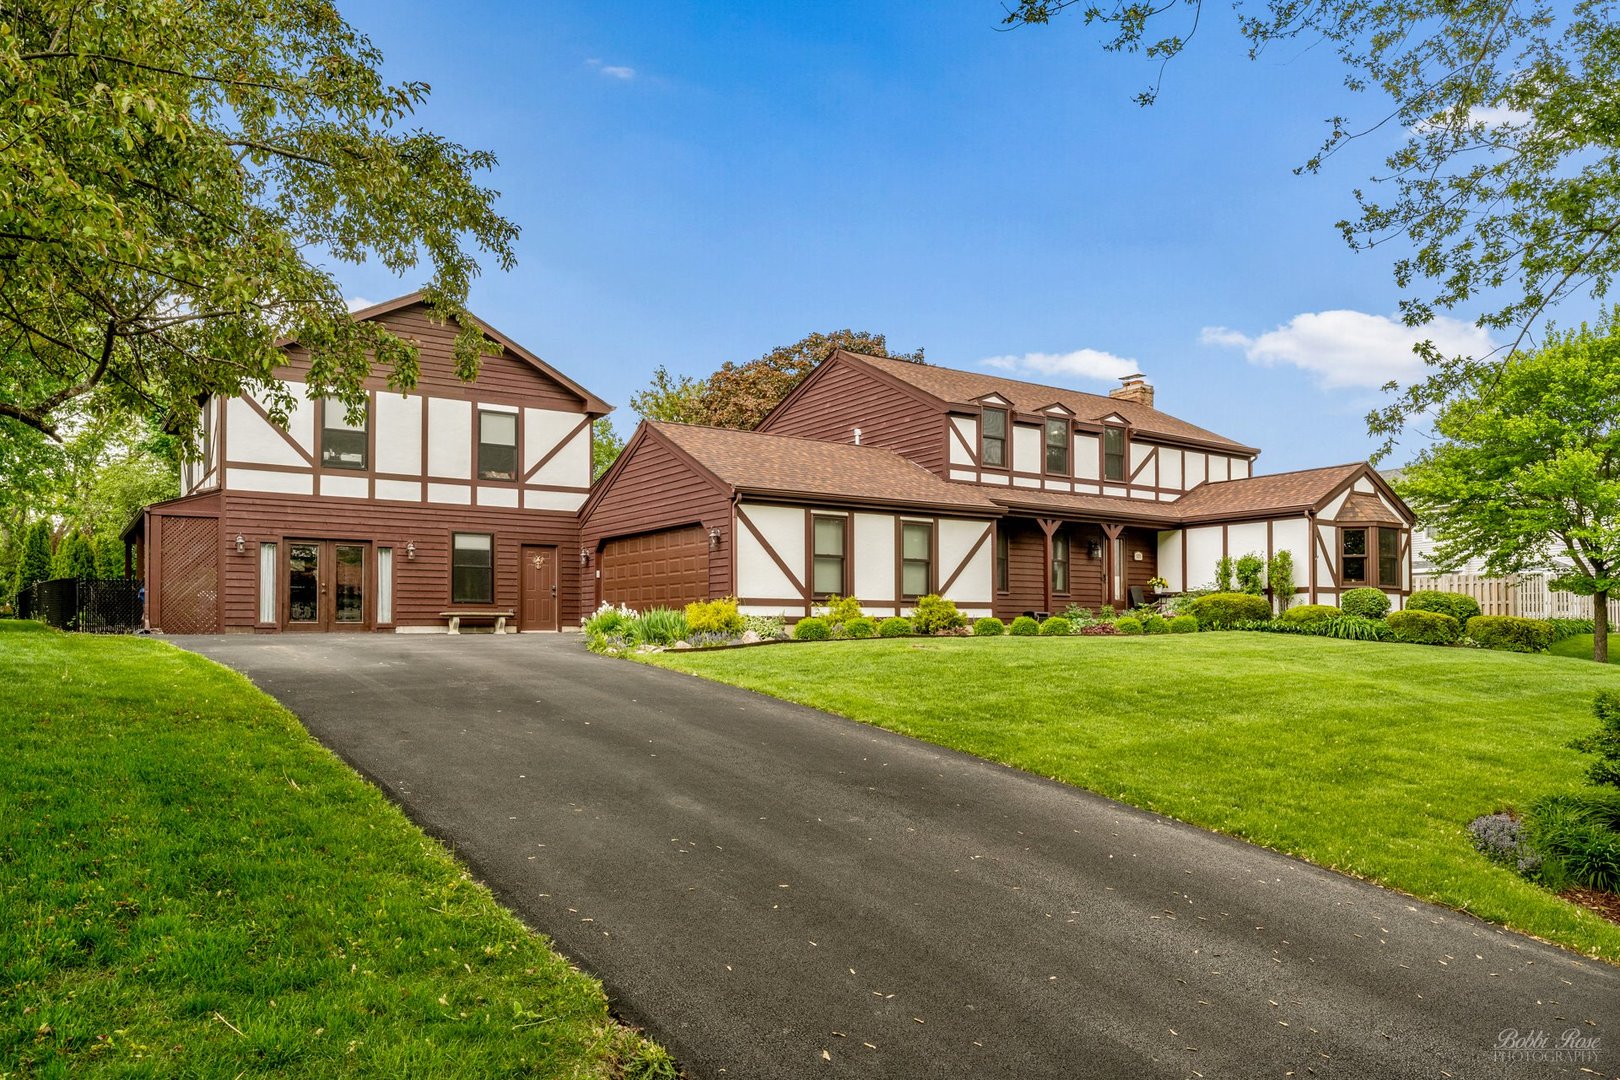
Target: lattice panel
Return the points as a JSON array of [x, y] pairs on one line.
[[190, 568]]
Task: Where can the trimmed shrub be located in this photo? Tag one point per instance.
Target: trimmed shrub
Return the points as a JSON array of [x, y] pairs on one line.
[[1183, 624], [813, 628], [1097, 629], [841, 609], [1223, 574], [1604, 743], [934, 614], [896, 626], [659, 626], [1365, 602], [1057, 626], [1221, 610], [1459, 606], [1423, 627], [714, 616], [1251, 574], [860, 627], [1024, 626], [1156, 624], [1510, 633], [1280, 578], [989, 627], [1128, 624], [1309, 613]]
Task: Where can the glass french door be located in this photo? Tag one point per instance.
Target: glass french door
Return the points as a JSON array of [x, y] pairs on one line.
[[326, 585]]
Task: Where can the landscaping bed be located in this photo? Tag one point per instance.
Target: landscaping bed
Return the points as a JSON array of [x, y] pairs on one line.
[[191, 885]]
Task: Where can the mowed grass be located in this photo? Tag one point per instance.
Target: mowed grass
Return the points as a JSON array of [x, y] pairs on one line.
[[1368, 758], [1580, 647], [191, 886]]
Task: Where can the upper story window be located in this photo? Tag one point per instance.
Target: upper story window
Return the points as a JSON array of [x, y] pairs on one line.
[[993, 437], [1057, 446], [827, 571], [916, 559], [1113, 453], [497, 446], [343, 445]]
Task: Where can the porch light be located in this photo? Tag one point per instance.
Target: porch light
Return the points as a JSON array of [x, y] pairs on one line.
[[241, 544], [1093, 550], [714, 537], [584, 557], [410, 551]]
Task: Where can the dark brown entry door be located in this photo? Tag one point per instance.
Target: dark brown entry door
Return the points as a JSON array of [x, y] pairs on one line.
[[538, 610], [326, 585]]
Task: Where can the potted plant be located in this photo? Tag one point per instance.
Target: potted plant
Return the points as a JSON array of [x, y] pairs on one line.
[[1158, 584]]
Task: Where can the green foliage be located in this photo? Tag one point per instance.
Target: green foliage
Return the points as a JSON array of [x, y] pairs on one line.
[[608, 619], [1581, 834], [1218, 611], [814, 628], [1348, 628], [934, 614], [1056, 626], [73, 557], [768, 627], [1280, 579], [606, 446], [896, 626], [1365, 602], [1459, 606], [1156, 624], [1510, 633], [1250, 570], [1309, 613], [1024, 626], [1183, 624], [109, 556], [861, 627], [1128, 624], [34, 563], [989, 626], [659, 626], [1564, 629], [1223, 574], [189, 175], [1604, 743], [714, 616], [1423, 627], [841, 609]]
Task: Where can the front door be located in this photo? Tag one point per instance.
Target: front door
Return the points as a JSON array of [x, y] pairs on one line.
[[326, 585], [538, 607]]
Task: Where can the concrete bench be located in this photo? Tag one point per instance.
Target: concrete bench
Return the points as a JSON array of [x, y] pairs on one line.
[[457, 617]]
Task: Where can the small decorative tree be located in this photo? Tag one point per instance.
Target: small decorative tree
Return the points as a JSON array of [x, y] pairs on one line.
[[1604, 742], [1223, 574], [1251, 574], [1280, 579]]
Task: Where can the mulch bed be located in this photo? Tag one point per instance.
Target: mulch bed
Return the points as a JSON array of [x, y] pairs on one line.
[[1606, 904]]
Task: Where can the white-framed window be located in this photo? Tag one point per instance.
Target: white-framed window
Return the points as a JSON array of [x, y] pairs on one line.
[[267, 583], [385, 585]]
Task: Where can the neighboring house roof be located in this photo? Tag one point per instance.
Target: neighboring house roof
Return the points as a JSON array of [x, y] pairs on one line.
[[763, 464], [949, 386], [1303, 490]]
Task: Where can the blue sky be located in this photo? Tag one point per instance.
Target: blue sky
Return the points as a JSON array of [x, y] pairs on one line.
[[699, 182]]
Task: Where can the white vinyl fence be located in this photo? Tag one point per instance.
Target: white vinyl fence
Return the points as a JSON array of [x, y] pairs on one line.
[[1516, 594]]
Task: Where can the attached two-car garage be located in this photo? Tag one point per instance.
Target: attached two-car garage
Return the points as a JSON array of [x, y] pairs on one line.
[[666, 568]]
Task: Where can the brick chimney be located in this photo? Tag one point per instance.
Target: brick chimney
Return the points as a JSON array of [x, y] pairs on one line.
[[1134, 388]]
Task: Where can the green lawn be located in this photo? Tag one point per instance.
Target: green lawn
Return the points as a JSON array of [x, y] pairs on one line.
[[190, 885], [1369, 758], [1580, 647]]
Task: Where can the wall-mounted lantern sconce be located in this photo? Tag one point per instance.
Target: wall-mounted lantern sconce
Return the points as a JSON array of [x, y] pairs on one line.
[[410, 551], [714, 537], [584, 557], [241, 544], [1094, 550]]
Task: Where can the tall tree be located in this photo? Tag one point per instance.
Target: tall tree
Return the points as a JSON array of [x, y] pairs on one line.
[[740, 395], [34, 564], [1527, 472], [606, 446], [174, 176], [1503, 191]]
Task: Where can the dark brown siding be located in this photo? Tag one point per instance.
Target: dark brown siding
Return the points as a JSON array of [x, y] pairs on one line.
[[841, 398], [1145, 541], [1027, 569], [422, 584], [656, 488]]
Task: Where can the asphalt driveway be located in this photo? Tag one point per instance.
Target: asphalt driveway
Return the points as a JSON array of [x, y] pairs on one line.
[[774, 892]]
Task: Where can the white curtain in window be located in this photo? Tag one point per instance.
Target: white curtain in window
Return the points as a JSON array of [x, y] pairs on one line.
[[385, 585], [267, 583]]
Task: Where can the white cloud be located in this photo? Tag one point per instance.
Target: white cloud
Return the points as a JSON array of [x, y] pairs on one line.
[[356, 303], [1352, 348], [1081, 363], [613, 71]]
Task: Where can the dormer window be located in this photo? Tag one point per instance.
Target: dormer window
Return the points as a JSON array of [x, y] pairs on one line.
[[343, 445], [1057, 446], [993, 437], [1113, 453]]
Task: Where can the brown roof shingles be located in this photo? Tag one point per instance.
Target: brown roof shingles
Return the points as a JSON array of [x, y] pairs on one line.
[[1259, 494], [963, 387], [760, 463]]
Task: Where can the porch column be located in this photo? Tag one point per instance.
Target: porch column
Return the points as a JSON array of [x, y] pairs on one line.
[[1111, 532], [1048, 526]]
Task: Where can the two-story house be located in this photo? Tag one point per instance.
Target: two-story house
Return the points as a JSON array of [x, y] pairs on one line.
[[456, 496], [887, 480]]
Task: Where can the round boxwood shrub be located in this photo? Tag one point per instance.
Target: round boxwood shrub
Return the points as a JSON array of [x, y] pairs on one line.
[[1217, 611], [1024, 626], [1510, 633], [1155, 624], [1459, 606], [813, 628], [860, 627], [1423, 627], [989, 627], [934, 614], [1183, 624], [1304, 613], [895, 626], [1367, 602], [1057, 626], [1128, 624]]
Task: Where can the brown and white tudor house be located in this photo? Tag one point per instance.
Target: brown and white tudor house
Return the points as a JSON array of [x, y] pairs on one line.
[[877, 478]]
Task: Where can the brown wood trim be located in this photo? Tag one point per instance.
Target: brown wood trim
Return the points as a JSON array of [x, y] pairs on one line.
[[1151, 457], [1310, 542], [968, 559], [286, 436], [553, 452], [747, 523], [848, 520], [1332, 563]]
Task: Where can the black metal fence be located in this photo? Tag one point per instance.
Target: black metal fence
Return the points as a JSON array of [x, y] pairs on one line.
[[89, 605]]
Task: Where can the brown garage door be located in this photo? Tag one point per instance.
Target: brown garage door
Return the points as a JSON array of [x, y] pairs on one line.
[[668, 568]]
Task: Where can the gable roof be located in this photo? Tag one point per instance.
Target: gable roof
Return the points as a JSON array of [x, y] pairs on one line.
[[951, 386], [763, 464], [593, 404], [1296, 492]]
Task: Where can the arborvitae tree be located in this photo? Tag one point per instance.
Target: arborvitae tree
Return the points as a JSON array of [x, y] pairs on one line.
[[35, 563]]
